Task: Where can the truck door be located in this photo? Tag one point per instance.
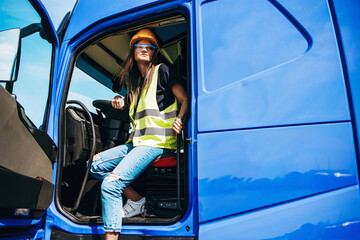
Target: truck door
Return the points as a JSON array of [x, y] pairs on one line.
[[95, 44], [28, 46]]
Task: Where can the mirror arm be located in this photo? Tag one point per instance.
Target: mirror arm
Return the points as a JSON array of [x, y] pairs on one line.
[[31, 29], [9, 86]]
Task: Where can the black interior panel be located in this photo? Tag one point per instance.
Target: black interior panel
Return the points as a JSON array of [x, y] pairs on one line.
[[20, 151], [23, 197], [25, 169]]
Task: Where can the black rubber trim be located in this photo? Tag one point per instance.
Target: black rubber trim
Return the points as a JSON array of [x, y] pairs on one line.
[[22, 232], [60, 235]]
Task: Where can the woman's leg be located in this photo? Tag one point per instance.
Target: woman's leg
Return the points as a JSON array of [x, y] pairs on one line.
[[111, 235], [104, 162], [130, 167], [130, 193]]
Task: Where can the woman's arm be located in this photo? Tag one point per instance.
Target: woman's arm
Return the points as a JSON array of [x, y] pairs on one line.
[[180, 94]]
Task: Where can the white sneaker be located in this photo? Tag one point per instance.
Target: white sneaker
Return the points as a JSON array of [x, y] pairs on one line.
[[132, 208]]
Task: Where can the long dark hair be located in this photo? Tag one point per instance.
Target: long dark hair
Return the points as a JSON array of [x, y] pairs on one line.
[[128, 74]]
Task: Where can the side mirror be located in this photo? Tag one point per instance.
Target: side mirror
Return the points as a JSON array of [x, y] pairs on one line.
[[9, 54]]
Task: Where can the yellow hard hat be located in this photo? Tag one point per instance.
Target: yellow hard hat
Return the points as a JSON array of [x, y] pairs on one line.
[[144, 34]]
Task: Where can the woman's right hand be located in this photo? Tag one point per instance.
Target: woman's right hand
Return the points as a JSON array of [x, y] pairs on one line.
[[117, 102]]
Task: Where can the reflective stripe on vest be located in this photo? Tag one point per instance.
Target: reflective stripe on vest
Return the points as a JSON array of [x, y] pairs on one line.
[[152, 127]]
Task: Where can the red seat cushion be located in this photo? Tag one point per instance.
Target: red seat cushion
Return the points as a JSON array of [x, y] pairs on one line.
[[166, 160]]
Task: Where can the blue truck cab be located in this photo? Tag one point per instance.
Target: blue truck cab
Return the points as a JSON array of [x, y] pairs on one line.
[[271, 136]]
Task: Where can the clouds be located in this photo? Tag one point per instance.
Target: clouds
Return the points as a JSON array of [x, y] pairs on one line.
[[8, 49]]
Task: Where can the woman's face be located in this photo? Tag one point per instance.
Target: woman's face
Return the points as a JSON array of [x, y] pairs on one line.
[[143, 51]]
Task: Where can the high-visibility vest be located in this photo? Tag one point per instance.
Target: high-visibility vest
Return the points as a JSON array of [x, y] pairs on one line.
[[152, 127]]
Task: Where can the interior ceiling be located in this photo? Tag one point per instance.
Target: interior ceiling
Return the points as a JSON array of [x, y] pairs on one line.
[[110, 52]]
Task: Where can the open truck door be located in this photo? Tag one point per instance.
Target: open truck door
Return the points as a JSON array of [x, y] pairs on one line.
[[82, 70], [28, 46], [94, 46]]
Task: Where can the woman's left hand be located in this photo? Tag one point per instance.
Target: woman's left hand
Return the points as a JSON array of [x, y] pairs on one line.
[[179, 92], [178, 125]]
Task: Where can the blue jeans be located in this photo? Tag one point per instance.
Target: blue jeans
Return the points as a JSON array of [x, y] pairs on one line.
[[125, 162]]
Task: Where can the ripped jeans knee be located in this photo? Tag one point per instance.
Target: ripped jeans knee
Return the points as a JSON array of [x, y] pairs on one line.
[[112, 177], [100, 167], [94, 167], [104, 163], [96, 157], [113, 186]]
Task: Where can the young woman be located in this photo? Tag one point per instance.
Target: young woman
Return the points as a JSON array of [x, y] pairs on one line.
[[153, 93]]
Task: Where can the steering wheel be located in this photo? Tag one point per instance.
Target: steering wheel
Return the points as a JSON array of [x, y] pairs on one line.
[[112, 113]]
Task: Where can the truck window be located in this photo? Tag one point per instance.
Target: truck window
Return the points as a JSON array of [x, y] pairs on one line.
[[86, 89], [32, 85]]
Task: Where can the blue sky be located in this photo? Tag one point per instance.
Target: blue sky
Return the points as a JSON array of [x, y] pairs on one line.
[[57, 9]]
